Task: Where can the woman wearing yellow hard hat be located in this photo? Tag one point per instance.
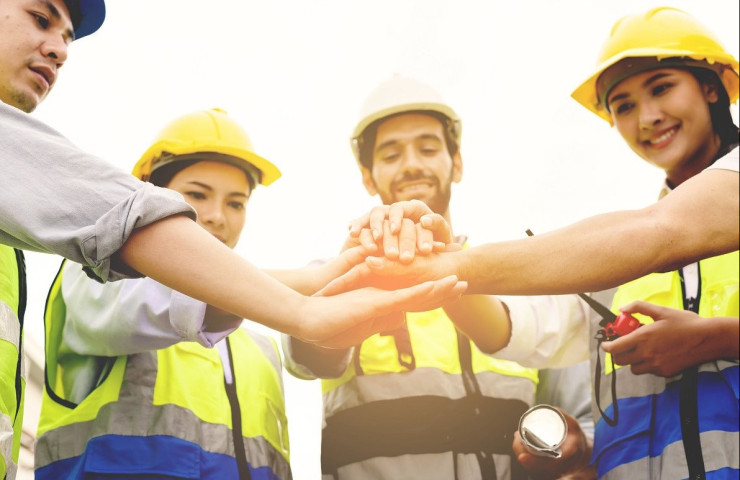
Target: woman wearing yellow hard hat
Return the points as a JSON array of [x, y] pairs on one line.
[[666, 83], [114, 350]]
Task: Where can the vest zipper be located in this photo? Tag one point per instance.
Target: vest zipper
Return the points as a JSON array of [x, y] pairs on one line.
[[236, 416]]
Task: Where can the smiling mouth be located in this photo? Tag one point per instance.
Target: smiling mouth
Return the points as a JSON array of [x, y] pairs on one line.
[[662, 138], [414, 188]]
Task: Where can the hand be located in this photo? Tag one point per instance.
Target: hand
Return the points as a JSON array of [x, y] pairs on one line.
[[388, 274], [676, 340], [346, 319], [403, 229], [573, 464]]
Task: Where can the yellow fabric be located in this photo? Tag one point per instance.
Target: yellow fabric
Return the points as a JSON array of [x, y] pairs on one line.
[[434, 344], [9, 295], [258, 383], [718, 296]]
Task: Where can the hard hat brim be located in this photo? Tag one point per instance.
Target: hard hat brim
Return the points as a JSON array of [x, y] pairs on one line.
[[586, 94]]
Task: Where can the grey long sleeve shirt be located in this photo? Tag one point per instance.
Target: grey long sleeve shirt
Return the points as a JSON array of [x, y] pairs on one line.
[[56, 198]]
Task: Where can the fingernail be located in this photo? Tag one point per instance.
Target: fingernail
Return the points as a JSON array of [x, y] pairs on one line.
[[376, 234], [426, 246], [375, 261], [392, 252], [393, 226], [406, 255], [426, 221]]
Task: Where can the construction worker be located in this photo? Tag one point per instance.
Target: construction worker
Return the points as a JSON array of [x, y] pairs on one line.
[[118, 226], [667, 84], [111, 352], [424, 400]]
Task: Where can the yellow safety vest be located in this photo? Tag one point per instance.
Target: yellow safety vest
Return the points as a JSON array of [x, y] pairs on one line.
[[12, 380], [424, 389], [642, 444], [167, 412]]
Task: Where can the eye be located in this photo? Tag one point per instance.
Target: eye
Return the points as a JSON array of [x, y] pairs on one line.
[[196, 195], [238, 206], [41, 20], [662, 88], [622, 108], [390, 157]]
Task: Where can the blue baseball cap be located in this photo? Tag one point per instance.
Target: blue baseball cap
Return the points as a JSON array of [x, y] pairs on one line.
[[86, 15]]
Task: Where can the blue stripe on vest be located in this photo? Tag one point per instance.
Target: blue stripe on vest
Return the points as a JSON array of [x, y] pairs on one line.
[[156, 457], [634, 438]]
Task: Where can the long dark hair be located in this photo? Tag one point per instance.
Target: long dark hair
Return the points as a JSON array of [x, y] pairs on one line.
[[719, 111]]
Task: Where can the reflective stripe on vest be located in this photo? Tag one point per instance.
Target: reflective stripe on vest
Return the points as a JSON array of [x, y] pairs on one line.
[[12, 380], [166, 412], [391, 409], [647, 441]]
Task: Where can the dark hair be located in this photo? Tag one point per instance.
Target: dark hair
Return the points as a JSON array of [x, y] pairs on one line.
[[369, 135], [162, 176], [719, 111]]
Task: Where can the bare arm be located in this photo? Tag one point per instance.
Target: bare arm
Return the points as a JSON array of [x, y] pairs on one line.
[[697, 220], [482, 318], [180, 254]]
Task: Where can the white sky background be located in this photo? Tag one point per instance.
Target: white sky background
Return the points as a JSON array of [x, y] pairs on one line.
[[294, 73]]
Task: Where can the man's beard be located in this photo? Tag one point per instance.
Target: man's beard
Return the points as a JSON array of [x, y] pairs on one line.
[[439, 203]]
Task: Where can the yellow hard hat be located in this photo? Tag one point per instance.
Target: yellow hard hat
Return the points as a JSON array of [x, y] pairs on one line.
[[661, 37], [206, 131], [397, 95]]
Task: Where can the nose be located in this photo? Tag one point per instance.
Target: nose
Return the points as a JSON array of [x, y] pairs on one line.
[[212, 215], [55, 48], [650, 114], [411, 159]]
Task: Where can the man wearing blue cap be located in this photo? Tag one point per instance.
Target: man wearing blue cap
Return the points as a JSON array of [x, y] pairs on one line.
[[55, 198]]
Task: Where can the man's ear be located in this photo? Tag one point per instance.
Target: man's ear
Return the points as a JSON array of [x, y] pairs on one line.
[[367, 180], [457, 168]]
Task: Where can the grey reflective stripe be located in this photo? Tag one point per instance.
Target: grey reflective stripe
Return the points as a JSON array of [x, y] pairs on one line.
[[10, 326], [268, 349], [6, 445], [629, 385], [424, 381], [720, 450], [137, 394], [429, 466]]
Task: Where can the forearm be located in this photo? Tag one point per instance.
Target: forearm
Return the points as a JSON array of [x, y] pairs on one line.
[[212, 273], [697, 220], [595, 254], [303, 280], [482, 318]]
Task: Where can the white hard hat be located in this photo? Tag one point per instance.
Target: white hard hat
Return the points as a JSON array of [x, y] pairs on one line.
[[398, 95]]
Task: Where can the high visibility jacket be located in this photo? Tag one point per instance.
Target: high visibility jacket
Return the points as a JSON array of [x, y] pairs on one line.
[[646, 442], [185, 411], [425, 392], [12, 379]]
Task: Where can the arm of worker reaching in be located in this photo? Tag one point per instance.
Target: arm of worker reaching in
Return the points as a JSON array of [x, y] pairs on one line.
[[120, 227], [696, 220]]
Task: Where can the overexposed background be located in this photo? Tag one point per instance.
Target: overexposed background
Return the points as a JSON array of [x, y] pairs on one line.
[[294, 73]]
